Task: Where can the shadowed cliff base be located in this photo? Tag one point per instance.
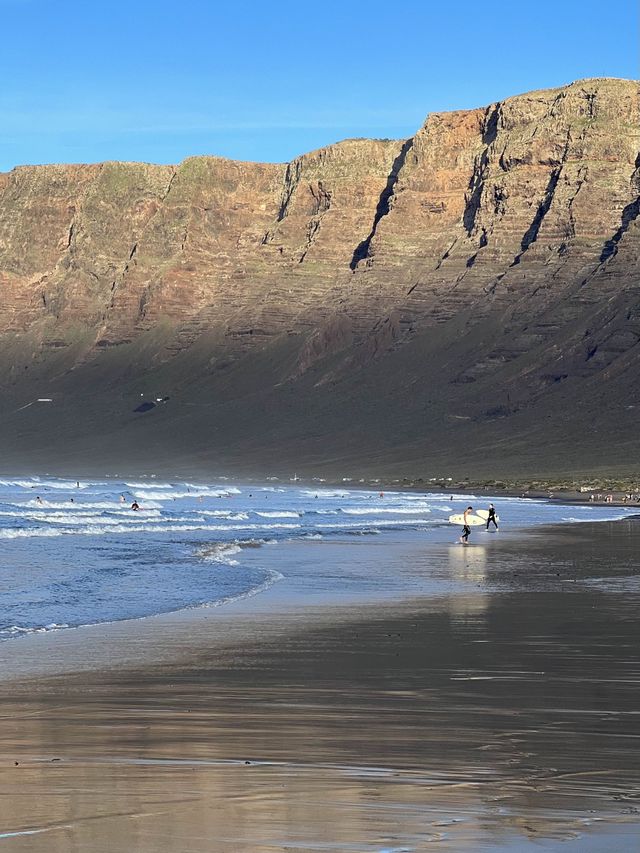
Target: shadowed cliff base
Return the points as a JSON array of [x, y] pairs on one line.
[[97, 421], [465, 303]]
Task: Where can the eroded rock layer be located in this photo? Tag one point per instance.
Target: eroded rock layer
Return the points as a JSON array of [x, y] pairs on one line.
[[467, 299]]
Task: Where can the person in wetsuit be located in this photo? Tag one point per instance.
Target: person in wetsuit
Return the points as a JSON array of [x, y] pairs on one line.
[[492, 517]]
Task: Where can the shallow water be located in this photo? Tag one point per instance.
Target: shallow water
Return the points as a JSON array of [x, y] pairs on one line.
[[75, 553]]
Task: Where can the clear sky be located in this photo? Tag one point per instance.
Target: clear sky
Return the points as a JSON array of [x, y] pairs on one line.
[[160, 80]]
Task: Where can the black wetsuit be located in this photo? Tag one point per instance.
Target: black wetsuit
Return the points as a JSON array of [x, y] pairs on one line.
[[492, 517]]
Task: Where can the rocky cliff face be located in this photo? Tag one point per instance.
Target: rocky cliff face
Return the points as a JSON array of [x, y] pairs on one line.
[[468, 298]]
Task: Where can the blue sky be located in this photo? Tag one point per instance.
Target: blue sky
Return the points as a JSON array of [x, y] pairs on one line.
[[160, 81]]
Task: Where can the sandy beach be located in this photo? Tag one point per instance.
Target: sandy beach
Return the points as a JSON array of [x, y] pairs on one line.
[[504, 718]]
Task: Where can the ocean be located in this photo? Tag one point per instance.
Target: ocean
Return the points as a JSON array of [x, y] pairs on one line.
[[76, 553]]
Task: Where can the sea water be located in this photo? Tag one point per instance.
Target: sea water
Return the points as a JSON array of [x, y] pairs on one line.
[[76, 553]]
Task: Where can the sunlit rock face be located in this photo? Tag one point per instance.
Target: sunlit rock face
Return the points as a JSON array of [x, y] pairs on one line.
[[469, 298]]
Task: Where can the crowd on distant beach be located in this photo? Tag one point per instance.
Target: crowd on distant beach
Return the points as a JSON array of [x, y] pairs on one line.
[[630, 497]]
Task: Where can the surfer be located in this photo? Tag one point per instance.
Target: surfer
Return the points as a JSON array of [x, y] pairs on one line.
[[466, 530], [492, 517], [135, 505]]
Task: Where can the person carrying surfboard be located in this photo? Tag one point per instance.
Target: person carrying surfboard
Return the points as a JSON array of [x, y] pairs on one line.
[[466, 530], [492, 517]]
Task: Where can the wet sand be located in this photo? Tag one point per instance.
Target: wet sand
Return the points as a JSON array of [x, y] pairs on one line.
[[502, 718]]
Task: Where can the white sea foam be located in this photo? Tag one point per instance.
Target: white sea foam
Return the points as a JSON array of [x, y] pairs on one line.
[[232, 516], [137, 522], [365, 531], [134, 519], [440, 496], [100, 528], [279, 514], [79, 516], [80, 505], [148, 485], [574, 520], [19, 630], [28, 532], [159, 495], [377, 522], [272, 577], [220, 552], [21, 484], [36, 483], [398, 510], [325, 493], [200, 487]]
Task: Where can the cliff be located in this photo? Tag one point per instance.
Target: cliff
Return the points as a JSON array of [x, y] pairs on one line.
[[466, 301]]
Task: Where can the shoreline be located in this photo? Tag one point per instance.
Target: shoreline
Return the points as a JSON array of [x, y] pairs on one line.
[[284, 606], [106, 645], [493, 715]]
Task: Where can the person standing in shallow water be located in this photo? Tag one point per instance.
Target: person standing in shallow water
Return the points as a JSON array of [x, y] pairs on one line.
[[492, 517], [466, 530]]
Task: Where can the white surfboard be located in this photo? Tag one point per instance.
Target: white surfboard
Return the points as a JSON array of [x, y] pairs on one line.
[[472, 520]]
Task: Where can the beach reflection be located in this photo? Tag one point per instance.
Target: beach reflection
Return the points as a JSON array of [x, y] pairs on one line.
[[475, 722], [468, 562], [468, 565], [146, 782]]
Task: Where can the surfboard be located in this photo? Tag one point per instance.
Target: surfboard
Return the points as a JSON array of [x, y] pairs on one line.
[[484, 513], [472, 520]]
